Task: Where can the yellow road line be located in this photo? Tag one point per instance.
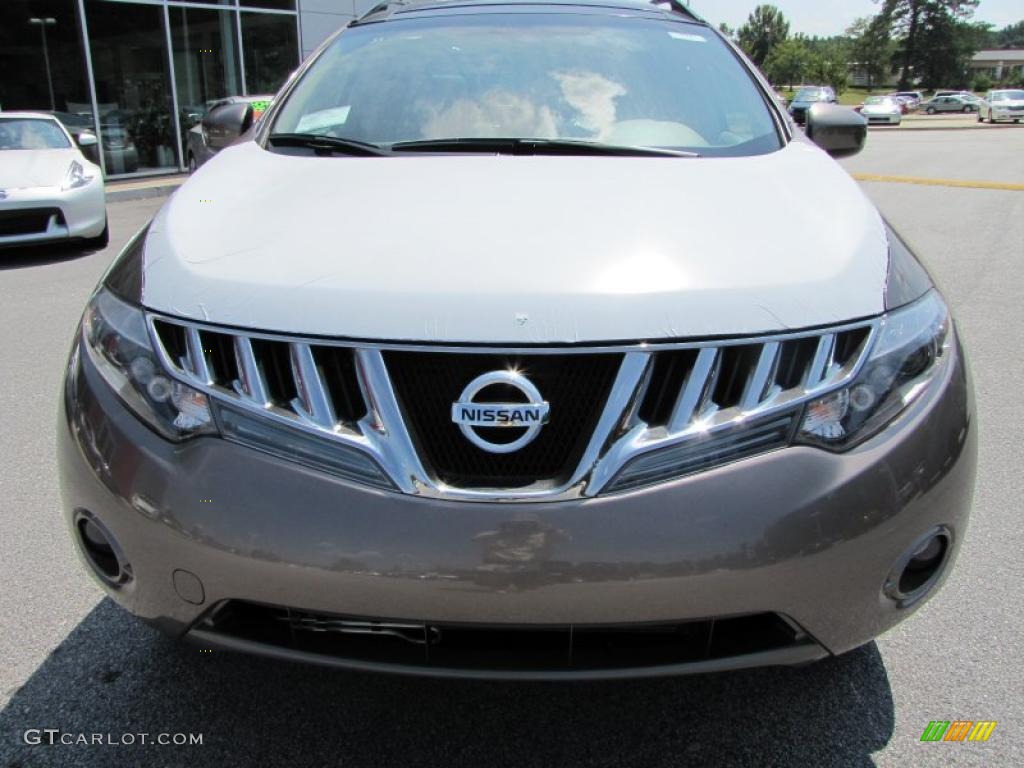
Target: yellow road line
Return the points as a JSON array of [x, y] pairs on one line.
[[939, 182]]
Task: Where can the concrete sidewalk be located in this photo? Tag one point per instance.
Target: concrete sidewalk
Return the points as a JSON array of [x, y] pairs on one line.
[[139, 189], [950, 122]]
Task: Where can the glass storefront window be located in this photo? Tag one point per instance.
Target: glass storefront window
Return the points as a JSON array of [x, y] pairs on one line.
[[206, 65], [43, 66], [270, 44], [283, 5], [42, 61], [133, 85]]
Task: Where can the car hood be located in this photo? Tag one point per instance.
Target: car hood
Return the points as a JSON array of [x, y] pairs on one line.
[[26, 168], [517, 249]]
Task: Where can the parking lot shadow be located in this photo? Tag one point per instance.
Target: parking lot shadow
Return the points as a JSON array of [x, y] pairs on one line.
[[22, 257], [114, 675]]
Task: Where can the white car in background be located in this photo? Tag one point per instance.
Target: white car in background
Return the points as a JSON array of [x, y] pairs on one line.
[[49, 191], [881, 110], [1002, 105]]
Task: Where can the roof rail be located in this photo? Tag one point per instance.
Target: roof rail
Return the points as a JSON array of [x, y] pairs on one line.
[[386, 6], [677, 6]]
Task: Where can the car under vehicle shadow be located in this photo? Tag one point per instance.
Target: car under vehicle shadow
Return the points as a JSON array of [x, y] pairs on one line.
[[26, 256], [114, 675]]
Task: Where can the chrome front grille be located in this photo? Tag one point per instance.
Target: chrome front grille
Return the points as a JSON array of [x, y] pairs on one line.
[[314, 384], [653, 412], [576, 387]]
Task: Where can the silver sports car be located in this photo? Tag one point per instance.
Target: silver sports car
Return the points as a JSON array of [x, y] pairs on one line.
[[49, 191]]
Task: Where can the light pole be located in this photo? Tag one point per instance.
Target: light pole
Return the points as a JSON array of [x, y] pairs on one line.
[[43, 23]]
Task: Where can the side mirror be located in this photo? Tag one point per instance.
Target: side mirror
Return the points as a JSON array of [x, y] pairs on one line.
[[226, 123], [87, 139], [839, 131]]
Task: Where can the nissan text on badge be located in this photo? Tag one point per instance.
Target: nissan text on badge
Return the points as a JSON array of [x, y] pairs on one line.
[[481, 354]]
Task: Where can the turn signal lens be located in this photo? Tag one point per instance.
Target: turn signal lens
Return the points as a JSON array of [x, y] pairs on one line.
[[117, 341], [912, 344]]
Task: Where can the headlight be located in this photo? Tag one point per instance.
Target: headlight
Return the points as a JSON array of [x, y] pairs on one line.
[[907, 354], [76, 177], [118, 343], [907, 281]]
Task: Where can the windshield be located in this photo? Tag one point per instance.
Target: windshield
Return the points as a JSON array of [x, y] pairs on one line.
[[878, 100], [628, 82], [810, 94], [1008, 96], [31, 133]]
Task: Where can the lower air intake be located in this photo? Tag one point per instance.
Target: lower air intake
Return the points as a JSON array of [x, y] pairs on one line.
[[479, 647]]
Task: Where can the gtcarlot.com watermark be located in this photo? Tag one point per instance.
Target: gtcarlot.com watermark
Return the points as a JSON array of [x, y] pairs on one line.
[[54, 736]]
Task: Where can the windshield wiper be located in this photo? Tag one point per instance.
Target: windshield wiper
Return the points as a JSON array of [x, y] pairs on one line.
[[535, 147], [327, 145]]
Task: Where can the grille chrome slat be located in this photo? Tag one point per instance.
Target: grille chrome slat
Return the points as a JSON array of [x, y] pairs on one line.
[[695, 391], [196, 361], [251, 384], [384, 426], [312, 404], [344, 392], [822, 361], [755, 390]]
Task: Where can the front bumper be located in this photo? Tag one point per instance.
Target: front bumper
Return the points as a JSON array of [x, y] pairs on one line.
[[800, 533], [82, 212]]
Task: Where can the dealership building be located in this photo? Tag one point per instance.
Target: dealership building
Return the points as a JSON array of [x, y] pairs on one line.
[[140, 73]]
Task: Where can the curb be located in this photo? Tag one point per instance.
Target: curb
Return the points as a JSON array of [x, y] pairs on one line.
[[978, 127], [115, 195]]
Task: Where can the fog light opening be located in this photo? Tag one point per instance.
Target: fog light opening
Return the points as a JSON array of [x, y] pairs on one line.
[[920, 567], [102, 551]]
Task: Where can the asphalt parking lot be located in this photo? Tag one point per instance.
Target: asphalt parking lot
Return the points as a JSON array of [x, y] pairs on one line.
[[73, 661]]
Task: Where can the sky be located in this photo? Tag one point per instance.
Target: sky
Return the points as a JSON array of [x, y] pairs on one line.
[[832, 17]]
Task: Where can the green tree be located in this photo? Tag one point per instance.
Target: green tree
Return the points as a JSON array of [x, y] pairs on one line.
[[830, 71], [871, 48], [830, 61], [920, 25], [726, 30], [766, 28], [788, 62], [1008, 37]]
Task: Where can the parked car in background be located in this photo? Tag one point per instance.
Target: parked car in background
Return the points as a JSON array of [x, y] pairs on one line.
[[49, 191], [119, 152], [913, 98], [902, 102], [781, 98], [808, 96], [881, 110], [965, 94], [949, 104], [207, 137], [1007, 104]]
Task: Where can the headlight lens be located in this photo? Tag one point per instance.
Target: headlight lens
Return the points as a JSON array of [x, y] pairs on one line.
[[118, 343], [907, 281], [77, 176], [906, 356]]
